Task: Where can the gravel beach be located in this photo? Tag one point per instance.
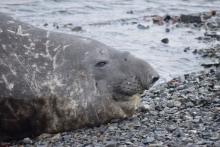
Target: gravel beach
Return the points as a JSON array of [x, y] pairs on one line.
[[182, 112]]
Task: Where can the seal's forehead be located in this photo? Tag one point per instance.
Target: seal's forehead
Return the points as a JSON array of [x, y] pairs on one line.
[[102, 51]]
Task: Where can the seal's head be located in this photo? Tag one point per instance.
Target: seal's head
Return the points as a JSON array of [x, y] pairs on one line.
[[120, 76]]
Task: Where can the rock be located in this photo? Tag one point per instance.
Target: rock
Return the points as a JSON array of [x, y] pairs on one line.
[[77, 29], [165, 40], [45, 25], [190, 18], [208, 65], [213, 35], [145, 107], [218, 73], [158, 20], [186, 49], [27, 141], [55, 137], [134, 22], [142, 27], [156, 145], [148, 140], [130, 12], [67, 25], [111, 144], [55, 25], [167, 30], [195, 51], [171, 128], [177, 103], [167, 18]]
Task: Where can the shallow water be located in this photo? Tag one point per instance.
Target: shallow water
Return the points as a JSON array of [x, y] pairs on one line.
[[109, 22]]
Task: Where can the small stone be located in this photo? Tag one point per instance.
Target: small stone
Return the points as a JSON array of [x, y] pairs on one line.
[[167, 30], [111, 144], [134, 22], [55, 137], [165, 40], [67, 25], [142, 27], [218, 73], [217, 87], [170, 104], [190, 19], [171, 128], [46, 24], [158, 20], [217, 109], [215, 136], [167, 18], [27, 141], [130, 12], [195, 51], [77, 29], [177, 103], [129, 143], [217, 143], [213, 12], [145, 107], [178, 133], [186, 49], [148, 140]]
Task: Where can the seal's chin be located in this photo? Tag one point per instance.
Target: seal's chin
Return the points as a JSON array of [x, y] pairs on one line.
[[130, 105]]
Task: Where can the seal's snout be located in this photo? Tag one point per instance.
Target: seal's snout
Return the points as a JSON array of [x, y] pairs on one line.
[[148, 76]]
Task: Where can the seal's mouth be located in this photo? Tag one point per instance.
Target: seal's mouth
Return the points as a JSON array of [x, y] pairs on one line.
[[127, 97]]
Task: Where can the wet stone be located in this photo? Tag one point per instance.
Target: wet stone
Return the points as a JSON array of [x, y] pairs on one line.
[[190, 18], [165, 40], [142, 27], [148, 140], [167, 30], [27, 141], [167, 18], [45, 25], [77, 29]]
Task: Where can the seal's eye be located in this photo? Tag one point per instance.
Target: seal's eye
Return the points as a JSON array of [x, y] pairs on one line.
[[101, 63]]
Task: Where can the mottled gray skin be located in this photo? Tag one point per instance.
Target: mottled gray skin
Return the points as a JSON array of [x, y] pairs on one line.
[[53, 82]]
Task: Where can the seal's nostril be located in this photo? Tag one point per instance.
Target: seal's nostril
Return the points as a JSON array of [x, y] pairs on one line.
[[155, 78]]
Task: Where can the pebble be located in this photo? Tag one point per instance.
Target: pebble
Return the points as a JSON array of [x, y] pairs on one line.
[[27, 141], [167, 18], [190, 18], [165, 40], [45, 25], [142, 27], [111, 144], [148, 140], [167, 30], [77, 29]]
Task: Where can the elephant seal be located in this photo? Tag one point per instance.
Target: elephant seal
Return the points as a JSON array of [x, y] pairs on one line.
[[52, 82]]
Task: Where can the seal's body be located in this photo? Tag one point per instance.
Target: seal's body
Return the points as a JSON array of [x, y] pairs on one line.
[[52, 82]]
